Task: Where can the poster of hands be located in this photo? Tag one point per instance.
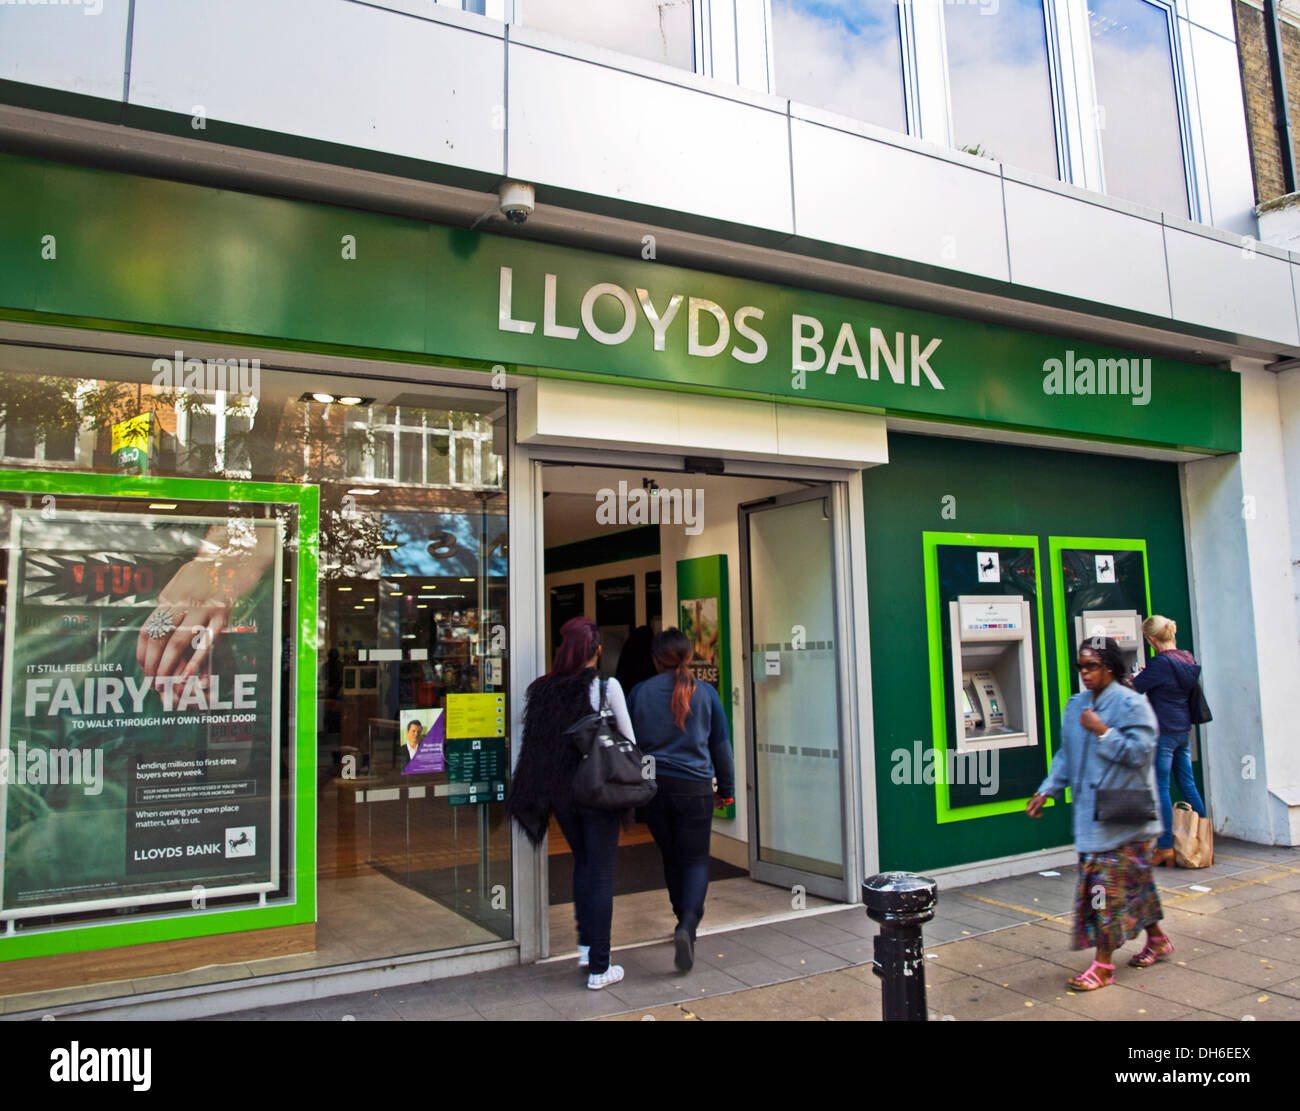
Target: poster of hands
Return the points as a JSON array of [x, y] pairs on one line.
[[140, 717]]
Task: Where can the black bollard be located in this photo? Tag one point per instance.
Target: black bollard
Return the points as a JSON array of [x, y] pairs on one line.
[[901, 903]]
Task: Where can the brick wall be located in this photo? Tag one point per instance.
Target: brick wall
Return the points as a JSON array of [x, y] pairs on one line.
[[1257, 83]]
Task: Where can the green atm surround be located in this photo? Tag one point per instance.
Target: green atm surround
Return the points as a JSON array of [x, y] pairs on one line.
[[941, 713], [1063, 618], [170, 923]]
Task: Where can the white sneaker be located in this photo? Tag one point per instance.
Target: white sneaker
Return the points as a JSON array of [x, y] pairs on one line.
[[584, 956], [611, 975]]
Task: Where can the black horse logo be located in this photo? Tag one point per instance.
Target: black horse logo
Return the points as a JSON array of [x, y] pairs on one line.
[[242, 839], [1103, 568], [987, 566]]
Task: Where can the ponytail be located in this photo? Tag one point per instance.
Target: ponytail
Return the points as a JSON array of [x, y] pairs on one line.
[[672, 651]]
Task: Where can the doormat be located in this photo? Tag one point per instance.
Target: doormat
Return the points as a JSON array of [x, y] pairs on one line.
[[455, 892], [636, 868]]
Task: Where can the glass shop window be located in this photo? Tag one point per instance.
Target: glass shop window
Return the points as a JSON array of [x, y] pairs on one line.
[[1137, 103], [657, 30], [846, 58], [1000, 81]]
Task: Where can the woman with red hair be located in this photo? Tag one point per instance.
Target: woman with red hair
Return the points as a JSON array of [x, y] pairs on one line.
[[543, 784], [681, 724]]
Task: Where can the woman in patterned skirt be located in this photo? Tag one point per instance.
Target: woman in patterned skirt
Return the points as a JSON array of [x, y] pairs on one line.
[[1108, 737]]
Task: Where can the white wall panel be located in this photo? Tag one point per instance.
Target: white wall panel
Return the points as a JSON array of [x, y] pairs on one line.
[[1223, 126], [1223, 286], [1214, 14], [78, 48], [585, 126], [873, 195], [326, 69], [1085, 250]]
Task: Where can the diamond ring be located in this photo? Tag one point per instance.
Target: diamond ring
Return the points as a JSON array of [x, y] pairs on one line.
[[159, 624]]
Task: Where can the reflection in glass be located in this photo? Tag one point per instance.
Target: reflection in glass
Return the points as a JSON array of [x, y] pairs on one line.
[[412, 609], [841, 55], [1000, 82], [660, 30], [1141, 141]]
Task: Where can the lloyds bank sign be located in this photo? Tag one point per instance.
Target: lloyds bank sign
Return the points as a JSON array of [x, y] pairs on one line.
[[269, 269], [646, 323]]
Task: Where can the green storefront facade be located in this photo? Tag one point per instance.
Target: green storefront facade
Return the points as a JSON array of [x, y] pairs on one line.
[[1093, 474]]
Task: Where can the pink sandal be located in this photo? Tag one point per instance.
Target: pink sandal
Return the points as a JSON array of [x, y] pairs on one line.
[[1151, 955], [1089, 980]]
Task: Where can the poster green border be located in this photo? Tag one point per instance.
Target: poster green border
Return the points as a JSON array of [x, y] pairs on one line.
[[706, 574], [1055, 546], [174, 926], [930, 542]]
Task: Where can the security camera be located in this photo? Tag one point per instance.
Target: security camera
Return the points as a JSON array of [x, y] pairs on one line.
[[516, 201]]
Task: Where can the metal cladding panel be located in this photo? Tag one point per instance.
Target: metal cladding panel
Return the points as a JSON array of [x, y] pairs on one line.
[[1223, 124], [1230, 287], [612, 133], [80, 48], [344, 73], [863, 193], [1083, 250]]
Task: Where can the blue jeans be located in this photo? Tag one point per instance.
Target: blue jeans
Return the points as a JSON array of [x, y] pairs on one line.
[[1172, 754], [593, 837]]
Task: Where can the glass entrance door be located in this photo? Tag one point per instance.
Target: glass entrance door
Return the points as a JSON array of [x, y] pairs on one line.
[[792, 649]]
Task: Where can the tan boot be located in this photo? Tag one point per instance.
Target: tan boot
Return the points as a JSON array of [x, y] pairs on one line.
[[1163, 858]]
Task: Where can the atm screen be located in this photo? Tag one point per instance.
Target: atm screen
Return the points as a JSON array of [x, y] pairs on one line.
[[965, 702]]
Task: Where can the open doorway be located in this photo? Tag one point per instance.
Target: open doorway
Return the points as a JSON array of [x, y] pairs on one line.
[[638, 550]]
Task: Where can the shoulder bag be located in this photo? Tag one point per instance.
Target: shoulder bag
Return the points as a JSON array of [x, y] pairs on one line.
[[613, 772], [1197, 706], [1119, 804]]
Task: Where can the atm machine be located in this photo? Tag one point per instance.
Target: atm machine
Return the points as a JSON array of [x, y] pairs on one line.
[[1122, 626], [993, 669]]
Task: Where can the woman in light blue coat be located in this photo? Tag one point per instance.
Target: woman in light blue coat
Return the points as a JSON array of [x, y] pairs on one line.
[[1108, 739]]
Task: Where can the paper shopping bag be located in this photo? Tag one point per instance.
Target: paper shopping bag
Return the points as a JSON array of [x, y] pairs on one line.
[[1193, 838]]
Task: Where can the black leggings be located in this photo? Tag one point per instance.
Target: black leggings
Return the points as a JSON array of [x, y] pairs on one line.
[[681, 825]]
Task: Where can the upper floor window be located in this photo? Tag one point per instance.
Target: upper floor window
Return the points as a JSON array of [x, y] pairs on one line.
[[846, 58], [1001, 82], [422, 447], [1137, 103], [658, 30]]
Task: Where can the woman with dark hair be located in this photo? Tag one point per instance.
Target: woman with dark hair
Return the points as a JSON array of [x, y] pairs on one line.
[[543, 784], [636, 662], [681, 724], [1108, 739]]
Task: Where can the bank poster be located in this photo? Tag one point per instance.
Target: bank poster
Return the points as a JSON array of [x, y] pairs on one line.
[[703, 592], [139, 718]]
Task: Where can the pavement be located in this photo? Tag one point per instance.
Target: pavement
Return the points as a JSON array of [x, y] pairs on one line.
[[998, 950]]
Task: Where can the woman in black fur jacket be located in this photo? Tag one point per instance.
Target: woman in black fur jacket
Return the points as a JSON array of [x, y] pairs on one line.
[[543, 784]]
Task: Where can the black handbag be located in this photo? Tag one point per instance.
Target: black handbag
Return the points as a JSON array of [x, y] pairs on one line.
[[613, 772], [1120, 804], [1197, 706]]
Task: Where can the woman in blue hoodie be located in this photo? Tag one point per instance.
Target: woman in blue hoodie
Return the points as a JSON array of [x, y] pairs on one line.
[[682, 725], [1108, 739], [1167, 681]]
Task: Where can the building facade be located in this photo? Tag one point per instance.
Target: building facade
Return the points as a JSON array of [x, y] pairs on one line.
[[349, 348]]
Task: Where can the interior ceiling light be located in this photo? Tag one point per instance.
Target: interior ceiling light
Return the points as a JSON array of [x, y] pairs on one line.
[[385, 547], [162, 505], [468, 580], [330, 398]]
